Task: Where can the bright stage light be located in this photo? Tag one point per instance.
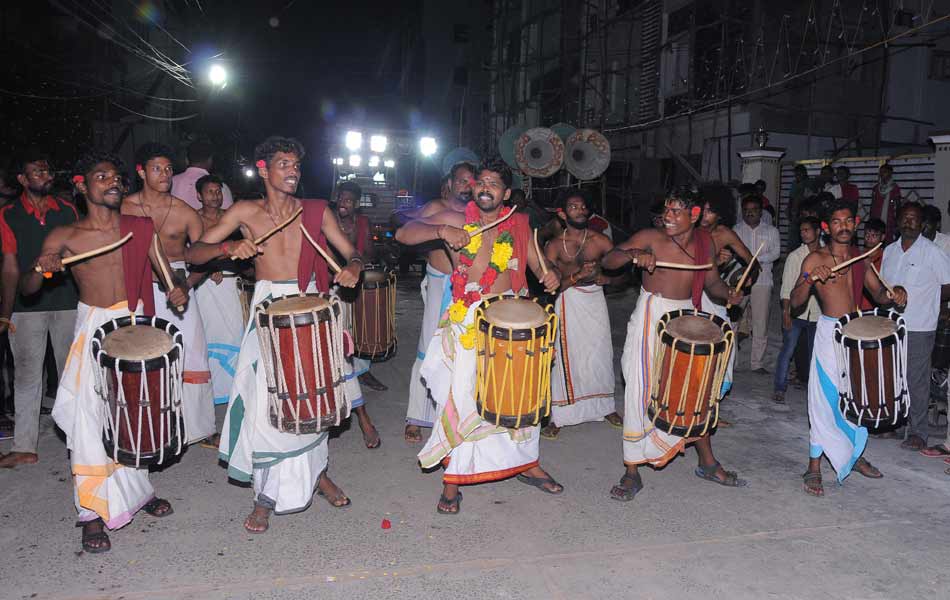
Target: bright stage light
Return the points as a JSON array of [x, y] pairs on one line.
[[389, 163], [379, 178], [355, 160], [427, 146], [377, 143], [249, 172], [373, 161], [217, 75], [354, 139], [338, 161]]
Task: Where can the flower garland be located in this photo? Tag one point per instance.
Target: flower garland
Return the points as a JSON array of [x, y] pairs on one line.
[[501, 252]]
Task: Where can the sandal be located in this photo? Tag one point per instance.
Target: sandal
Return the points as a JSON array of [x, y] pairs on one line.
[[448, 505], [811, 477], [550, 432], [626, 494], [871, 471], [333, 501], [914, 442], [159, 508], [95, 542], [414, 436], [262, 523], [938, 451], [709, 474], [539, 482], [616, 423]]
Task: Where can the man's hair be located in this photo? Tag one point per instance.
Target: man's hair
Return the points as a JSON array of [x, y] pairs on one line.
[[351, 187], [25, 157], [753, 199], [875, 224], [759, 182], [809, 220], [200, 151], [92, 158], [829, 167], [801, 168], [573, 193], [836, 205], [721, 201], [461, 165], [747, 188], [846, 170], [932, 215], [205, 180], [268, 148], [657, 208], [150, 150], [496, 165], [684, 195], [887, 166], [911, 204]]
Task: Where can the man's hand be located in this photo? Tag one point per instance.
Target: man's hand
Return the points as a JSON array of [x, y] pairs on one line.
[[551, 280], [241, 249], [643, 259], [899, 296], [178, 297], [217, 277], [349, 276], [587, 271], [786, 320], [50, 263], [734, 297], [453, 236], [724, 256], [821, 274]]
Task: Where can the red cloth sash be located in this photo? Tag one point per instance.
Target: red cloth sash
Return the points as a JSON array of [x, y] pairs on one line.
[[703, 251], [362, 234], [311, 264], [136, 267], [521, 234]]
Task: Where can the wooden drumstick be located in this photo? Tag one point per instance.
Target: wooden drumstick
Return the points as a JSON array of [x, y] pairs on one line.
[[857, 258], [680, 266], [336, 268], [494, 223], [537, 249], [748, 269], [89, 254], [883, 281], [260, 240], [166, 276]]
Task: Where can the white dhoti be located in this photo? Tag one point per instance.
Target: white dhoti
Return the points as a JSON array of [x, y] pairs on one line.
[[642, 442], [285, 468], [197, 397], [720, 311], [582, 384], [474, 450], [223, 321], [421, 410], [830, 433], [102, 488]]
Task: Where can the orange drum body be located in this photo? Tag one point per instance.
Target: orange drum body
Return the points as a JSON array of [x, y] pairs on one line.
[[871, 350], [691, 356], [374, 316], [139, 377], [303, 357], [514, 342]]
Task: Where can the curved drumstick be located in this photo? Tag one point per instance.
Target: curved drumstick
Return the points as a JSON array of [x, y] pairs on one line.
[[166, 276], [857, 258], [89, 254], [336, 268], [537, 249], [681, 266], [883, 281], [748, 269], [267, 235], [494, 223]]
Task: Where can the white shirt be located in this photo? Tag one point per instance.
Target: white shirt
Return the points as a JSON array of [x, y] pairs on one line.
[[183, 186], [921, 271], [766, 235], [792, 275], [943, 242]]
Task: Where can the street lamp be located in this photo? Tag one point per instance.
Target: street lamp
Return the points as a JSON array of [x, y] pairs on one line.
[[377, 143], [427, 146], [354, 139], [355, 160], [389, 163], [373, 161], [217, 75]]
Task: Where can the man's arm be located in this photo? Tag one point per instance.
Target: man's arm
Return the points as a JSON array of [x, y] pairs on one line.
[[212, 245], [370, 248], [178, 295], [350, 274], [773, 247], [550, 279], [812, 271], [10, 280], [880, 295], [636, 247], [194, 230], [440, 226]]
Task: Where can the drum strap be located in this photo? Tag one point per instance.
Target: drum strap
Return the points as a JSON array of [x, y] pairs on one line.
[[703, 245], [135, 264], [310, 264]]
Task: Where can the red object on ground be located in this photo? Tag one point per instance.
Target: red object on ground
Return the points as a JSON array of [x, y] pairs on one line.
[[386, 524]]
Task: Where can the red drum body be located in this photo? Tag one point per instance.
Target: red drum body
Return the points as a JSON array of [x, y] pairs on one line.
[[374, 316]]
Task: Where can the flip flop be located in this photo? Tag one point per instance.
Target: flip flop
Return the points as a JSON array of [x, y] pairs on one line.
[[539, 482], [864, 461], [938, 451], [457, 502], [414, 438], [615, 425], [709, 474], [549, 434], [158, 508], [211, 442], [626, 494], [811, 477], [96, 542], [332, 503]]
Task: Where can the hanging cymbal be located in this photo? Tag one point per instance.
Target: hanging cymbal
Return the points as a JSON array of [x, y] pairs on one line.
[[506, 144], [587, 154], [539, 152]]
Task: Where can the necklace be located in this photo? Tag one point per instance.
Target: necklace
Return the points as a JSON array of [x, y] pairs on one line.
[[683, 249], [579, 246], [165, 218]]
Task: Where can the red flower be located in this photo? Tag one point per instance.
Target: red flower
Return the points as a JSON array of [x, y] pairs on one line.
[[472, 214], [78, 178], [488, 278], [472, 297], [465, 260], [261, 164], [458, 279], [139, 168]]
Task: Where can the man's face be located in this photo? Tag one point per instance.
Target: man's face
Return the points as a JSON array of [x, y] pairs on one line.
[[885, 174], [760, 188], [841, 226], [709, 217], [103, 186], [807, 233], [800, 175], [346, 203], [872, 238], [211, 195], [36, 177], [576, 213], [827, 174], [461, 185], [752, 213], [282, 172], [929, 229], [842, 174], [157, 174], [677, 218], [490, 191], [910, 223]]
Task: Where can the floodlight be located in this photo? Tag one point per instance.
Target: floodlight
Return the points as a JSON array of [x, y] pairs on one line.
[[427, 146], [354, 139], [373, 161], [377, 143], [355, 160], [217, 75], [389, 163]]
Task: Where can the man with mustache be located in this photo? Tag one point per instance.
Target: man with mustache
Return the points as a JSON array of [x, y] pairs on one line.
[[177, 224], [421, 410], [24, 224], [582, 382], [285, 468], [839, 293], [111, 285], [474, 450], [356, 228], [664, 290]]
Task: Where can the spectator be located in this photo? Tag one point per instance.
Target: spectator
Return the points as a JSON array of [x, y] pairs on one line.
[[885, 200], [753, 231], [849, 191], [200, 163], [801, 190], [747, 190], [24, 224], [931, 229], [804, 323], [918, 265], [873, 235]]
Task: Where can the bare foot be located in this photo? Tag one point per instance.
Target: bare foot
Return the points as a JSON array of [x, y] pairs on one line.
[[413, 434], [329, 490], [811, 483], [865, 468], [370, 435], [18, 458], [259, 519]]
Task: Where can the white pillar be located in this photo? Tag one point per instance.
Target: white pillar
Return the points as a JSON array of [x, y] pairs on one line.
[[763, 163], [941, 142]]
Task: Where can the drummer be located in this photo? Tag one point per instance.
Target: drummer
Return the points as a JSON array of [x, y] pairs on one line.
[[838, 294], [476, 451], [106, 494], [285, 264], [356, 228], [664, 290]]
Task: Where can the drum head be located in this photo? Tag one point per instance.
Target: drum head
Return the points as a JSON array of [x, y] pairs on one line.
[[137, 342], [375, 277], [515, 313], [870, 327], [294, 305], [694, 330]]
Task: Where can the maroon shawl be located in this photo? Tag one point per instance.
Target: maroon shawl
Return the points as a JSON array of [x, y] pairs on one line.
[[311, 264], [136, 267], [521, 233], [703, 251], [362, 234]]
